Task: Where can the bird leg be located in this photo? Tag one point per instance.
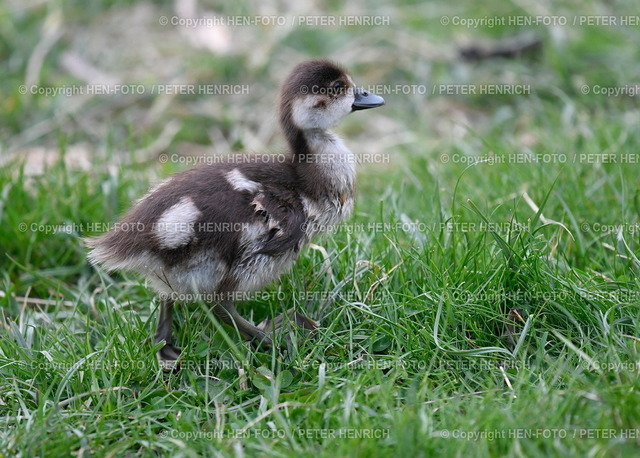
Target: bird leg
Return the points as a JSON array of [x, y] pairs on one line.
[[168, 354], [308, 325], [226, 311], [262, 334]]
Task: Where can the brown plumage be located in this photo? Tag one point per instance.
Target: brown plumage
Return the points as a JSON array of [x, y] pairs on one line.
[[211, 232]]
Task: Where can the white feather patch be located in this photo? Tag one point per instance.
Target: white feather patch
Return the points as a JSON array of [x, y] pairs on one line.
[[175, 227], [239, 182]]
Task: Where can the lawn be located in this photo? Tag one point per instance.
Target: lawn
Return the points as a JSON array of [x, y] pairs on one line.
[[482, 300]]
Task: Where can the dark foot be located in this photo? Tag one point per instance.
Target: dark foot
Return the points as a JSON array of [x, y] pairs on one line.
[[283, 323], [168, 356]]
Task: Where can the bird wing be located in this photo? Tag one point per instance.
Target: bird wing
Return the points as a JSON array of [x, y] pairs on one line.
[[283, 216]]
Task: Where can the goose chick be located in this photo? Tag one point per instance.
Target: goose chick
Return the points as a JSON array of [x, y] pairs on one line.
[[215, 232]]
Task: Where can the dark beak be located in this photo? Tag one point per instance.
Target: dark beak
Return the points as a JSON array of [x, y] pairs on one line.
[[365, 99]]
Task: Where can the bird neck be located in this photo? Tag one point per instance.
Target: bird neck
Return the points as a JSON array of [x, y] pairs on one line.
[[324, 165]]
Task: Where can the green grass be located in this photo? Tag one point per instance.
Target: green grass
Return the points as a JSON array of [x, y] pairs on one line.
[[490, 309]]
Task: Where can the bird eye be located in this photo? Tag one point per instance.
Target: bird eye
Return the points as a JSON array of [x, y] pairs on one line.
[[337, 87]]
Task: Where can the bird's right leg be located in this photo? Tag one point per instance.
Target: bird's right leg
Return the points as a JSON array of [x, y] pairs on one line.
[[226, 311]]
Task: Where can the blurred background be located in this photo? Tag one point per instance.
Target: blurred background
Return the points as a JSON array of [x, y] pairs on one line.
[[91, 74], [101, 75]]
